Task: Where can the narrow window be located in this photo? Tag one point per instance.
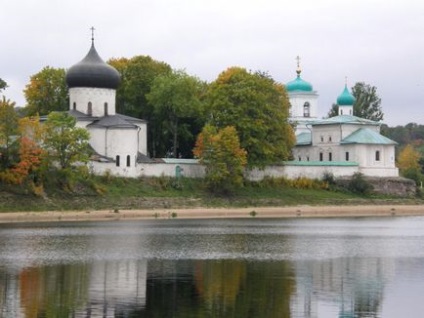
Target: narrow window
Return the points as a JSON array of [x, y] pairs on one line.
[[322, 139], [306, 110], [89, 109], [330, 156], [377, 155], [300, 158], [74, 106], [321, 156], [117, 161], [128, 161], [307, 158], [350, 112], [106, 110], [329, 139], [341, 111], [347, 155]]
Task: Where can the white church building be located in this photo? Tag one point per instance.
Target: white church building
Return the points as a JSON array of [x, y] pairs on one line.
[[341, 141], [341, 145]]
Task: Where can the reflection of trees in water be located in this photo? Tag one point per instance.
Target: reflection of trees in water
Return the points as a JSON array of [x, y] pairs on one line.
[[53, 291], [94, 289], [219, 288]]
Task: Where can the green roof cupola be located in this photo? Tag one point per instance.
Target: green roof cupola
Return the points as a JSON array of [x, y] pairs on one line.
[[345, 98], [298, 84]]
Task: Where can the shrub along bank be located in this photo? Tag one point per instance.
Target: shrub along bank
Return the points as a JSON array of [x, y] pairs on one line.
[[94, 193]]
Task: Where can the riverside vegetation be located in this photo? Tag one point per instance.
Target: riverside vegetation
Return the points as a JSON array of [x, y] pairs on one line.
[[87, 192]]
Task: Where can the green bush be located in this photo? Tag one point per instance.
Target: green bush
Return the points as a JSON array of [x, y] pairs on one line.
[[358, 184]]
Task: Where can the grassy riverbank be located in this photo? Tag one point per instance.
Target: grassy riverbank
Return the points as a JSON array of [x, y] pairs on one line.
[[165, 193]]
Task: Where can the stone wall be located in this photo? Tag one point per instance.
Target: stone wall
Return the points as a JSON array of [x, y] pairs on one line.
[[394, 186]]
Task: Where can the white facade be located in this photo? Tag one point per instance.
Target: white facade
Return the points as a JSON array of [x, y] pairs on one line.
[[92, 101], [303, 110]]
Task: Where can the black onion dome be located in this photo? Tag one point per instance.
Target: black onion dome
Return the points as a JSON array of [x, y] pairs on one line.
[[92, 71]]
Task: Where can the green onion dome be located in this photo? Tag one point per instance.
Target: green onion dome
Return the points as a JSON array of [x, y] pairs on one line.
[[345, 98], [298, 84]]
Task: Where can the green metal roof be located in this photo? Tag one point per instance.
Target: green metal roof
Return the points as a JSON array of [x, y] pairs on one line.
[[322, 163], [345, 119], [304, 139], [367, 136], [180, 161]]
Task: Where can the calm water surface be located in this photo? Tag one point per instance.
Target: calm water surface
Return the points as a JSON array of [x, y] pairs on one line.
[[214, 268]]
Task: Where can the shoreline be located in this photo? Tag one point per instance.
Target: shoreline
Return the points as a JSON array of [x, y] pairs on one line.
[[216, 213]]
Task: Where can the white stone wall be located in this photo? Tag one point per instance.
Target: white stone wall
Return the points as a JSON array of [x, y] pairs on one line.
[[80, 97], [149, 170], [293, 172], [380, 172], [193, 170]]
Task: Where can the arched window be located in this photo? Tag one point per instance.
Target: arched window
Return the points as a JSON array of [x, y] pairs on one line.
[[74, 106], [377, 155], [117, 161], [128, 161], [306, 110], [321, 156], [347, 155], [106, 109], [89, 108], [330, 156]]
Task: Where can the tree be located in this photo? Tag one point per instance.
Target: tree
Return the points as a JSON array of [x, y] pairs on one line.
[[65, 144], [334, 111], [409, 163], [8, 133], [258, 108], [31, 154], [175, 96], [3, 85], [46, 92], [367, 103], [220, 152], [137, 76]]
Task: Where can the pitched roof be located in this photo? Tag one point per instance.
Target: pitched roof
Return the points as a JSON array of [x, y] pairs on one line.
[[345, 119], [367, 136], [304, 139], [114, 121]]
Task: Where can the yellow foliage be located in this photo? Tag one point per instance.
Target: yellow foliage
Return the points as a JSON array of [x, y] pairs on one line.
[[408, 159]]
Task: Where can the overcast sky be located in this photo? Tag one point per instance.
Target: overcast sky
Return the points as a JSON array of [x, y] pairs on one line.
[[377, 42]]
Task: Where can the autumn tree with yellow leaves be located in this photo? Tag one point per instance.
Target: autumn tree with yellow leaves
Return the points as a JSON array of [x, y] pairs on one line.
[[408, 163], [220, 152]]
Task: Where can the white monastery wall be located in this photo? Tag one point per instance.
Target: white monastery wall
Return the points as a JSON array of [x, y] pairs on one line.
[[193, 170]]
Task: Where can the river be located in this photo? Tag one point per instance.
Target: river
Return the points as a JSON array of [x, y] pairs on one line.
[[351, 267]]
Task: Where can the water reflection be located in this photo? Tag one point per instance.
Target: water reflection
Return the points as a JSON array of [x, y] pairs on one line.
[[231, 268]]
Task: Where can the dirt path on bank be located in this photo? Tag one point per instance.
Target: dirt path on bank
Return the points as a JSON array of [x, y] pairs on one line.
[[211, 213]]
